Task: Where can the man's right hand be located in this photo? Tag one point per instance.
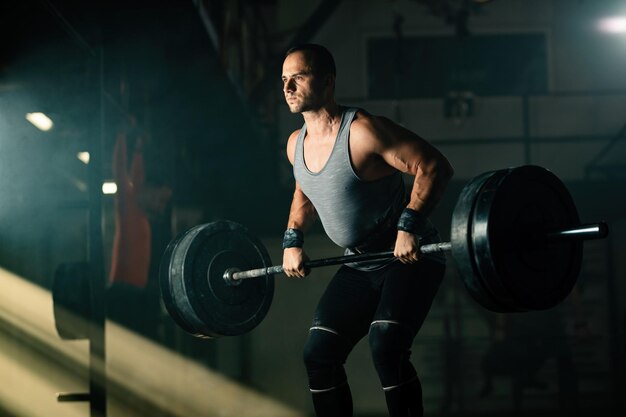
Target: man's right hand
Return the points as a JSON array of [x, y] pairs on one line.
[[293, 262]]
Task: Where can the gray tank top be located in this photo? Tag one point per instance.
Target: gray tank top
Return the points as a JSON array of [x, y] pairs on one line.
[[349, 208]]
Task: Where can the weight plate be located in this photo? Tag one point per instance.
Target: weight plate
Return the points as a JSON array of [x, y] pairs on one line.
[[482, 254], [511, 217], [463, 248], [173, 293], [193, 285]]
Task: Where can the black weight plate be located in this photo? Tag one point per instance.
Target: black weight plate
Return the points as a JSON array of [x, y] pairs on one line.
[[201, 296], [513, 215], [462, 245], [71, 300], [172, 293], [482, 255]]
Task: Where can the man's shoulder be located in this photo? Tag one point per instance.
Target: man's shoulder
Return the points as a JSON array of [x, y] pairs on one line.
[[369, 126], [367, 132], [291, 144], [366, 120], [294, 136], [362, 120]]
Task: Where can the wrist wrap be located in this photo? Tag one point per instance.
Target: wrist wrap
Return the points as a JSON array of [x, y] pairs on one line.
[[412, 221], [293, 238]]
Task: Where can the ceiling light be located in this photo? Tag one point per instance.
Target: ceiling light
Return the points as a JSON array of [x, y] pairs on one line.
[[40, 120], [83, 156], [109, 187], [616, 24]]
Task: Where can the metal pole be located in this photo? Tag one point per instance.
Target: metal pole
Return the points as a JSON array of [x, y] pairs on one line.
[[97, 354]]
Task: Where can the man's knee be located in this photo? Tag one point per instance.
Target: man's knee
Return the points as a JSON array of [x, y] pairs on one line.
[[389, 339], [324, 355], [390, 344]]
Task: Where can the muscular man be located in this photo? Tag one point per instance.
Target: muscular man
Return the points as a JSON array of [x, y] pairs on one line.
[[348, 167]]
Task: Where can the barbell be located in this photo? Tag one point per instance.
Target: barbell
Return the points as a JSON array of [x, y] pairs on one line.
[[516, 240]]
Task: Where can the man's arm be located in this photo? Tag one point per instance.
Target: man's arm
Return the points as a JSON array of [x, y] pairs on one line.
[[301, 215], [409, 153]]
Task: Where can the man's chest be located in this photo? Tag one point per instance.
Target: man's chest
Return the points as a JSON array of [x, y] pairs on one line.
[[317, 152]]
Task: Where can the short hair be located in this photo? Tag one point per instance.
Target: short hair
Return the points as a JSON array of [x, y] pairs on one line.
[[322, 60]]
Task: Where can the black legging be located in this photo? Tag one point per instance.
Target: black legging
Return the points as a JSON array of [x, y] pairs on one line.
[[391, 305]]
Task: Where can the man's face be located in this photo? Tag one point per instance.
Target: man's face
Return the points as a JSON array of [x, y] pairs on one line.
[[304, 91]]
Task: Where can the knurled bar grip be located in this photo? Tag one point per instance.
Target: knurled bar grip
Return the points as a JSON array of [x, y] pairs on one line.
[[338, 260]]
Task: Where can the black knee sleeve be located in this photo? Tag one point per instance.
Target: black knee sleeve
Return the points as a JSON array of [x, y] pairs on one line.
[[390, 344], [324, 355]]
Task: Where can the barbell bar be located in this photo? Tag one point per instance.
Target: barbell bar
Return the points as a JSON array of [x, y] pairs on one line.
[[231, 275], [516, 240], [583, 232]]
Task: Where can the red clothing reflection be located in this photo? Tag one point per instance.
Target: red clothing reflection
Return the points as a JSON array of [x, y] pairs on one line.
[[130, 259]]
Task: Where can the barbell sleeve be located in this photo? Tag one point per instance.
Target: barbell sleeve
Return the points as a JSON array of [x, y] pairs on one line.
[[583, 232]]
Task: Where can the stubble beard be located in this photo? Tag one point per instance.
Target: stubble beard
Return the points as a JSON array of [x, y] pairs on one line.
[[304, 104]]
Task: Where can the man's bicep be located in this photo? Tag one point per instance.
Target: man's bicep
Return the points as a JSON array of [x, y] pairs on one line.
[[300, 197], [404, 149], [302, 212]]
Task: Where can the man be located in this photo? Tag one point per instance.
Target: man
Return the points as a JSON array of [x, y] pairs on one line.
[[348, 168]]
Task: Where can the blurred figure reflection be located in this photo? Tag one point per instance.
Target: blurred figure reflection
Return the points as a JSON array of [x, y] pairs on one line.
[[139, 203]]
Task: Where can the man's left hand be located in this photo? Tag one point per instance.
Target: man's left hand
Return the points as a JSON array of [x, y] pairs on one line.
[[407, 247]]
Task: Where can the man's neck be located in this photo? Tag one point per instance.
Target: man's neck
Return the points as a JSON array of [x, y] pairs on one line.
[[323, 121]]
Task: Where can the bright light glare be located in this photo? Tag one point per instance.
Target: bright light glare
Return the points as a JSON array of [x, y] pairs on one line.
[[40, 120], [612, 25], [83, 156], [109, 188], [135, 366]]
